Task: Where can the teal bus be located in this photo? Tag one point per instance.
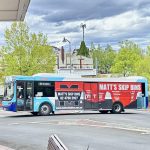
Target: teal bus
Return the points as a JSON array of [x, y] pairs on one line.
[[46, 93]]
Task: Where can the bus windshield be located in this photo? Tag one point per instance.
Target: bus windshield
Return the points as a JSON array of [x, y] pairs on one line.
[[8, 91]]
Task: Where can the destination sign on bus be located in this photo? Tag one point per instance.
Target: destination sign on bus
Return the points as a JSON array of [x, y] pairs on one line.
[[120, 86]]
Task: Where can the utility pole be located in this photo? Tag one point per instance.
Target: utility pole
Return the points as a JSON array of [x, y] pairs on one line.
[[66, 40], [83, 26]]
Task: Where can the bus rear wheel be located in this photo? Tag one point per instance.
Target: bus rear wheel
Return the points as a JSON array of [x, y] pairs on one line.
[[45, 109], [117, 108]]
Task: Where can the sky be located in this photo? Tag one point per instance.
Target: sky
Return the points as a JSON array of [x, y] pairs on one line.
[[107, 22]]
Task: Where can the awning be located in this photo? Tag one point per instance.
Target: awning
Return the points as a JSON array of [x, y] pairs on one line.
[[13, 10]]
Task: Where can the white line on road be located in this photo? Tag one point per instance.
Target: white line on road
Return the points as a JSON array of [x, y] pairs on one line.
[[91, 123]]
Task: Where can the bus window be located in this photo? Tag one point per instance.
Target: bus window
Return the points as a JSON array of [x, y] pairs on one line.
[[62, 86], [74, 87], [143, 89], [8, 91], [44, 89], [20, 89]]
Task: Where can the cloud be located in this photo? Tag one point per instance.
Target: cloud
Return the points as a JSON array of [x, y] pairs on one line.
[[84, 10], [108, 22]]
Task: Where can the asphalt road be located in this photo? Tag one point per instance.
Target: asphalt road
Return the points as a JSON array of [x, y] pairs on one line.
[[127, 131]]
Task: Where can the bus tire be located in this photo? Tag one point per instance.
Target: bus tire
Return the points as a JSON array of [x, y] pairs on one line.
[[34, 113], [117, 108], [45, 109]]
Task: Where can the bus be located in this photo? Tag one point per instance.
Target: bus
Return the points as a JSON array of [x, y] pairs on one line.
[[44, 93]]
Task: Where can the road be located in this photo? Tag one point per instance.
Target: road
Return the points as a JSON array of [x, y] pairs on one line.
[[130, 130]]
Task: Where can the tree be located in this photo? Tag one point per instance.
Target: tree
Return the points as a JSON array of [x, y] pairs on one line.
[[143, 68], [26, 53], [83, 50], [109, 57], [127, 59], [130, 45], [103, 58], [98, 58]]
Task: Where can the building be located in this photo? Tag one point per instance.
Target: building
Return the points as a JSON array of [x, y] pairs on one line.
[[72, 63]]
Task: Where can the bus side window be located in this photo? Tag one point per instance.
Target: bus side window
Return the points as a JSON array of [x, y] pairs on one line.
[[143, 89], [47, 89]]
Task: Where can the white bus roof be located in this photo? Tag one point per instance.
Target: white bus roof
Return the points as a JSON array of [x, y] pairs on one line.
[[72, 77], [121, 79], [57, 75]]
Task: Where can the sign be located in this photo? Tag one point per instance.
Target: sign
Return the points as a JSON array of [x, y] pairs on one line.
[[120, 86], [69, 96]]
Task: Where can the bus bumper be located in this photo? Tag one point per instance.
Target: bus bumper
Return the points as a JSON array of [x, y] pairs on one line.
[[9, 106]]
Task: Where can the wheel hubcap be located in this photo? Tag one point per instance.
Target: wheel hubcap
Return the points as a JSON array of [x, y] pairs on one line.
[[117, 108], [44, 109]]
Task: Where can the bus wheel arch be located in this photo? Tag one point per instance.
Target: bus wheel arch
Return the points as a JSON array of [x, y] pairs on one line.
[[45, 109], [117, 107]]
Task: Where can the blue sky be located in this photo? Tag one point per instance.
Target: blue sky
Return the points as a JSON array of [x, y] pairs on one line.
[[107, 22]]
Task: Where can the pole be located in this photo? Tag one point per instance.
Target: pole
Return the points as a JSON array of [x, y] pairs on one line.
[[70, 57], [83, 33], [83, 26], [65, 40]]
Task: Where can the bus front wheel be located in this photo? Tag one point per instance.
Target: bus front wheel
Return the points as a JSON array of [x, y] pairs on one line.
[[45, 109]]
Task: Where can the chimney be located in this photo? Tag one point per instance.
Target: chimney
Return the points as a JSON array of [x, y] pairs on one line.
[[62, 54]]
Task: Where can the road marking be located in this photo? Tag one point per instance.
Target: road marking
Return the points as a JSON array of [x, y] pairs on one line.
[[91, 123]]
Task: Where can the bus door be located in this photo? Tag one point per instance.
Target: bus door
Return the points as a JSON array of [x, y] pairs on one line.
[[24, 95], [91, 96]]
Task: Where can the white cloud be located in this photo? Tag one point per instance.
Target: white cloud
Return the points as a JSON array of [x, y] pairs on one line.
[[125, 19]]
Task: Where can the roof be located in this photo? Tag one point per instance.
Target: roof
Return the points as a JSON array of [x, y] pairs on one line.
[[13, 10]]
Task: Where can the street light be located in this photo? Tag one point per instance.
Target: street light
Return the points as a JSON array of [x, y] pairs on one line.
[[66, 40]]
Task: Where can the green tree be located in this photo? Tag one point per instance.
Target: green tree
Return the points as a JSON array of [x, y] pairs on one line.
[[143, 68], [130, 45], [109, 57], [98, 58], [103, 58], [26, 53], [127, 59], [83, 50]]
